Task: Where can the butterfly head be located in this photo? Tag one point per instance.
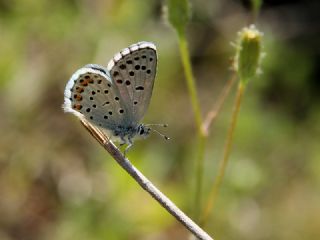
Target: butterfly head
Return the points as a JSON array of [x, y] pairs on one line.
[[143, 131]]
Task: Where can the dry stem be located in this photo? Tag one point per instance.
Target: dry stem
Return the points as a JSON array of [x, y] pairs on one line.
[[145, 183]]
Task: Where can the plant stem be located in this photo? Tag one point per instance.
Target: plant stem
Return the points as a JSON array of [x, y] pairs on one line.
[[185, 56], [145, 183], [218, 104], [202, 141], [202, 138], [223, 164]]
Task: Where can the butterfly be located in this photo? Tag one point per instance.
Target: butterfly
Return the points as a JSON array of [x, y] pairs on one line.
[[116, 97]]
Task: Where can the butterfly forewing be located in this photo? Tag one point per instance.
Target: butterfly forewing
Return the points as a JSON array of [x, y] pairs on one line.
[[133, 72]]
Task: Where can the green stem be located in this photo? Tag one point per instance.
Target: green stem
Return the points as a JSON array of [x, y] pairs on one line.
[[227, 149], [199, 176], [256, 6], [190, 80], [185, 56]]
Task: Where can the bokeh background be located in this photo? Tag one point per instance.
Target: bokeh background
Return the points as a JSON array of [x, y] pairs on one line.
[[56, 182]]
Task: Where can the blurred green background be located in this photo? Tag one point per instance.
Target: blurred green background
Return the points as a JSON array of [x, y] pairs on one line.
[[56, 182]]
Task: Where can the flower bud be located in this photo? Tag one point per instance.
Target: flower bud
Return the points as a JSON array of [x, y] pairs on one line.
[[248, 56]]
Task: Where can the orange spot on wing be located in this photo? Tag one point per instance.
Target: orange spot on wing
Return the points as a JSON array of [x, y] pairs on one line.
[[83, 82], [79, 89], [77, 106], [78, 97]]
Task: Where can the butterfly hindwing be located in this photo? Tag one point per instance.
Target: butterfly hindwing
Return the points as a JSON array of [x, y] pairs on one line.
[[91, 94]]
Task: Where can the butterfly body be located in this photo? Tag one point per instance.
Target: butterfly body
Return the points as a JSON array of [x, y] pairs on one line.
[[126, 134], [116, 97]]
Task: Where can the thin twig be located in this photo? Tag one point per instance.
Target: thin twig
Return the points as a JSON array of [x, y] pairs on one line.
[[145, 183], [218, 104], [223, 164]]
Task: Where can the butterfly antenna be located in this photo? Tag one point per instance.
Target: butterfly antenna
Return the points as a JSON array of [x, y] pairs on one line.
[[157, 124], [162, 135]]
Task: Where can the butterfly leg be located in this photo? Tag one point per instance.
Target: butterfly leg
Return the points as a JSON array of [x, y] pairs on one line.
[[123, 141], [130, 144]]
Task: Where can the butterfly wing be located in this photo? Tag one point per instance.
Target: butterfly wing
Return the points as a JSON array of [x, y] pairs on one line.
[[133, 72], [91, 94]]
